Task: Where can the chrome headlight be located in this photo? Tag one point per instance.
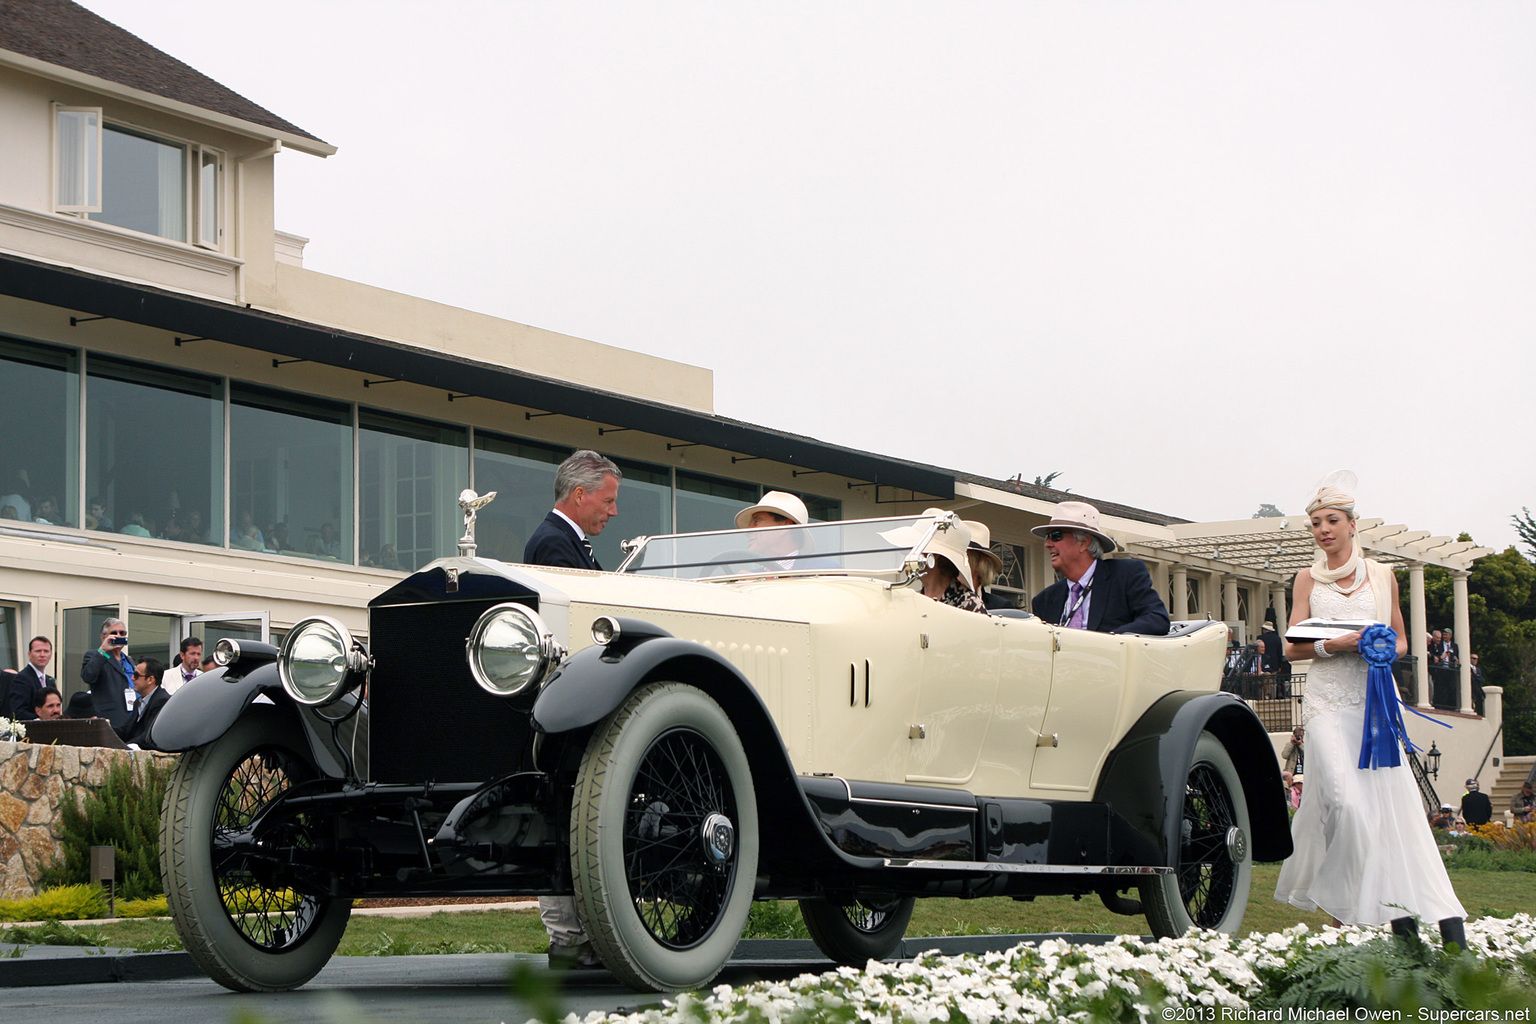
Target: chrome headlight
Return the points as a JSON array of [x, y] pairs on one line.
[[319, 661], [510, 649], [226, 652]]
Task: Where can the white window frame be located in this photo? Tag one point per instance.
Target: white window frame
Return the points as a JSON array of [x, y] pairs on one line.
[[200, 232], [88, 141]]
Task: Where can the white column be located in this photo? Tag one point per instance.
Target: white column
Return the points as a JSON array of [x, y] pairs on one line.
[[1160, 581], [1463, 636], [1277, 604], [1418, 628], [1179, 607], [1229, 598]]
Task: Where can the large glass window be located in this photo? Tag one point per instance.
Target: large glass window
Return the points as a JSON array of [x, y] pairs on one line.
[[711, 503], [411, 474], [822, 510], [522, 473], [154, 451], [645, 509], [290, 462], [40, 422]]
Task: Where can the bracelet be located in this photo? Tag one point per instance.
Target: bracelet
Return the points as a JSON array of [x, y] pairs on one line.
[[1322, 652]]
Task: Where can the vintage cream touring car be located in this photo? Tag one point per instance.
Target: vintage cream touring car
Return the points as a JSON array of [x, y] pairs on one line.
[[696, 731]]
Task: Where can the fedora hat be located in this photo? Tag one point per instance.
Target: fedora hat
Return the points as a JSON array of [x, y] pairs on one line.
[[1077, 515], [981, 543], [780, 503]]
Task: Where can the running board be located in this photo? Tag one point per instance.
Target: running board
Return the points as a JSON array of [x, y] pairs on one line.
[[1023, 869]]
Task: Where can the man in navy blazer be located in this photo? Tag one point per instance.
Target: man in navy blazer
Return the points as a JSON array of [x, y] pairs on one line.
[[1108, 596], [586, 497], [147, 675]]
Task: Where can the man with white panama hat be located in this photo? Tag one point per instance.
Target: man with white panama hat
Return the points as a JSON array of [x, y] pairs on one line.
[[1108, 596], [782, 547]]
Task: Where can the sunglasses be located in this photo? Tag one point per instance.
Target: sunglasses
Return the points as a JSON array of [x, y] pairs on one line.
[[118, 632], [1055, 535]]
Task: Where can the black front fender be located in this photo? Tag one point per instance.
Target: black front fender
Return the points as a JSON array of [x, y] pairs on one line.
[[1143, 777], [205, 708]]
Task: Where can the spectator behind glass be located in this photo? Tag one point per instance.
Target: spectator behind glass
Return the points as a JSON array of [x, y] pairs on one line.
[[244, 534], [96, 517]]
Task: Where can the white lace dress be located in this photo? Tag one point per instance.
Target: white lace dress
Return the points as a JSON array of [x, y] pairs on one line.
[[1364, 851]]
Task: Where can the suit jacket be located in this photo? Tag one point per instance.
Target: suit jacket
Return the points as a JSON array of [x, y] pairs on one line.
[[1122, 600], [106, 682], [1450, 654], [24, 688], [143, 716], [555, 543]]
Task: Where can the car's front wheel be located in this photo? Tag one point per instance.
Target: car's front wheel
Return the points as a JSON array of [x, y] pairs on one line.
[[1209, 887], [664, 838], [854, 932], [242, 925]]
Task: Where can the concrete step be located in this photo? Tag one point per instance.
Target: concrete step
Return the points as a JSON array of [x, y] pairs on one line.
[[1512, 772]]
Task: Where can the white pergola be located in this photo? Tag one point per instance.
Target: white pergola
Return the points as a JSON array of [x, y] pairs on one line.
[[1270, 551]]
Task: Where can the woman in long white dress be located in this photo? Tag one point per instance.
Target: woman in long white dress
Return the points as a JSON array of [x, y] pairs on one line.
[[1364, 852]]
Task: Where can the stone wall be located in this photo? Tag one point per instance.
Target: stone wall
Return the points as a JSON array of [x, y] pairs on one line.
[[34, 780]]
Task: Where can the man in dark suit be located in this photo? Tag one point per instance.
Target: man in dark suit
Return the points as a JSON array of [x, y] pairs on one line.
[[1108, 596], [152, 697], [28, 680], [107, 673], [586, 497], [1450, 651]]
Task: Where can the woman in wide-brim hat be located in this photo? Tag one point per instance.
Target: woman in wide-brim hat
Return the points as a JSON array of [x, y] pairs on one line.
[[1363, 849], [948, 580]]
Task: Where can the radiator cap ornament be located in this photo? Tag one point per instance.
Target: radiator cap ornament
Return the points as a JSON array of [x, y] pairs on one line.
[[471, 503]]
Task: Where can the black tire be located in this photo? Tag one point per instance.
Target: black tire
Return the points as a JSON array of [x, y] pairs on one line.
[[659, 775], [245, 935], [859, 931], [1209, 888]]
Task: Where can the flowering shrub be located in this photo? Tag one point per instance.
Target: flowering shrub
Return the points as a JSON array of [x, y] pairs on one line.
[[1519, 836], [1126, 979]]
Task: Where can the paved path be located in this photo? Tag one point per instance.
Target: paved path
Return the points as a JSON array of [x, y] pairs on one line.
[[373, 990]]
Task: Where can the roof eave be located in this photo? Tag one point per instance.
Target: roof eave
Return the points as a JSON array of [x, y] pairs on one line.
[[202, 115]]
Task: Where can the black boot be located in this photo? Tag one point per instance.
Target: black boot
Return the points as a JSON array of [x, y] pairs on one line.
[[1453, 933], [1405, 927]]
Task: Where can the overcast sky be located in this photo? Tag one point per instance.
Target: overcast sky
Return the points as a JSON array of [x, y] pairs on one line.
[[1193, 255]]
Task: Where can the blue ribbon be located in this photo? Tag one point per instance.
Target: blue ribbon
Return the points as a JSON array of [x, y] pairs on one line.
[[1384, 728]]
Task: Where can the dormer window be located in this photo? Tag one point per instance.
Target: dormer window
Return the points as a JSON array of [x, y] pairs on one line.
[[117, 174]]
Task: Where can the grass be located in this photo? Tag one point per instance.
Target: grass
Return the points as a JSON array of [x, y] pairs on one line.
[[1483, 893]]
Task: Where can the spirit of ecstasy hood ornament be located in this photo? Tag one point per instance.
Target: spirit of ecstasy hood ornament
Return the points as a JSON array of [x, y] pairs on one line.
[[471, 503]]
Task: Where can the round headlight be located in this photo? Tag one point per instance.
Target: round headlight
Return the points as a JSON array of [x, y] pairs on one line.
[[510, 649], [226, 652], [317, 659]]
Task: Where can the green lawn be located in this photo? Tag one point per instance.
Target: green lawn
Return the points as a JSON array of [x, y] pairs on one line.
[[1499, 893]]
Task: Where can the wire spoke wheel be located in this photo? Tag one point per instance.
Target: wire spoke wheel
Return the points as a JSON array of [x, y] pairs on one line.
[[856, 931], [1212, 867], [269, 918], [678, 893], [664, 838], [238, 917]]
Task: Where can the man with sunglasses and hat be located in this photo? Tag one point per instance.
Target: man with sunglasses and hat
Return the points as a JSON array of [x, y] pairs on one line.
[[1104, 595]]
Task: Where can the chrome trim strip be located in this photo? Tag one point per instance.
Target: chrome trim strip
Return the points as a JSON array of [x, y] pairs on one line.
[[908, 803], [1024, 869]]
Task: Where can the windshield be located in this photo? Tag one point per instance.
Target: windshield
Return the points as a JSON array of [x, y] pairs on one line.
[[861, 547]]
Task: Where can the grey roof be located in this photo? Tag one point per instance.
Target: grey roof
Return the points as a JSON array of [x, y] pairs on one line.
[[66, 34], [1051, 494]]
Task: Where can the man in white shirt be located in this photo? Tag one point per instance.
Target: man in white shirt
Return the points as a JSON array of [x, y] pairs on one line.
[[185, 669]]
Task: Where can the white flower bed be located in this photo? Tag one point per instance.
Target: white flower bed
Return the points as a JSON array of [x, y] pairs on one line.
[[1050, 982]]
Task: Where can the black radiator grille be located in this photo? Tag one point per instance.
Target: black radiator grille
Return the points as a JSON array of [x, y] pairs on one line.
[[428, 719]]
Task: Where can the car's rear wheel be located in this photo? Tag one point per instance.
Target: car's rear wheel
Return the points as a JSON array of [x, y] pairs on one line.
[[664, 838], [1209, 887], [856, 931], [247, 930]]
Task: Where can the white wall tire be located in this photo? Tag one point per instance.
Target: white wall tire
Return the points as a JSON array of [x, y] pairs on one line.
[[1209, 888], [243, 934], [663, 777]]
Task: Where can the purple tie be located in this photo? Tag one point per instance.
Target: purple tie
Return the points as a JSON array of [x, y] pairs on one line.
[[1078, 615]]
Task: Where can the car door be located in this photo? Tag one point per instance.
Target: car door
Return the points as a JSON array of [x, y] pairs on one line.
[[959, 652], [1087, 687]]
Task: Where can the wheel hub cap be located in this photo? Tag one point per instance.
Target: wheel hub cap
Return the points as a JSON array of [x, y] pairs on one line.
[[1237, 845], [719, 838]]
